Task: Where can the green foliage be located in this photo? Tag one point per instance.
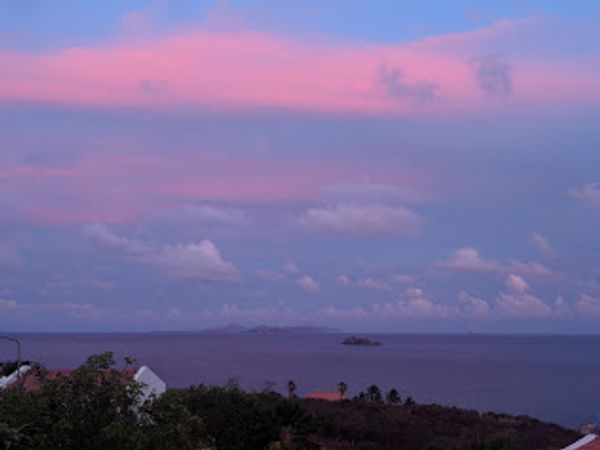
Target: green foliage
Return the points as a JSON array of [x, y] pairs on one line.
[[368, 425], [11, 437], [94, 408], [373, 395], [97, 408], [393, 397], [243, 421], [173, 426]]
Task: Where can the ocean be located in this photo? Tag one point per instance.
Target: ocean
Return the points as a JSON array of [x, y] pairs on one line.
[[553, 378]]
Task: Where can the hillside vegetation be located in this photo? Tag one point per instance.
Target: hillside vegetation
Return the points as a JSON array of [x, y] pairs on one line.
[[96, 408]]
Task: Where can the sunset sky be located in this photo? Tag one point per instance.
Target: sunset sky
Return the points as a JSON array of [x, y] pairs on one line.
[[375, 165]]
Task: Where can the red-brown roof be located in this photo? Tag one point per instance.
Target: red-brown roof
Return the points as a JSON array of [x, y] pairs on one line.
[[592, 445], [30, 380], [329, 396]]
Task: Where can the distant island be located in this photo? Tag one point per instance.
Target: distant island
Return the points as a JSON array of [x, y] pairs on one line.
[[353, 340]]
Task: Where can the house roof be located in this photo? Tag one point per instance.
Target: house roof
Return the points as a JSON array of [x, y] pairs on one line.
[[329, 396], [588, 442], [31, 379]]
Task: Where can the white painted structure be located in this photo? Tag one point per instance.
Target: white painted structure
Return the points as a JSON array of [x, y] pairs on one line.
[[13, 377], [581, 443], [150, 382]]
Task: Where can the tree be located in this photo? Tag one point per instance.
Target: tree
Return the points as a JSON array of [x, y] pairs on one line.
[[409, 402], [173, 427], [393, 397], [374, 394], [295, 423], [235, 419], [240, 420], [342, 389], [361, 397], [232, 383], [291, 387], [95, 407]]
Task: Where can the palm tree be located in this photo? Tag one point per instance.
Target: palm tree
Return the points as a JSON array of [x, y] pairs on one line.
[[393, 397], [342, 388], [291, 387]]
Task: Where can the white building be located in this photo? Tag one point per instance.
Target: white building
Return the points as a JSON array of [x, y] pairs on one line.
[[13, 377], [151, 383], [588, 442]]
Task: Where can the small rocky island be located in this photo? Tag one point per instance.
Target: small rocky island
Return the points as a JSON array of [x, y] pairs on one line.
[[353, 340]]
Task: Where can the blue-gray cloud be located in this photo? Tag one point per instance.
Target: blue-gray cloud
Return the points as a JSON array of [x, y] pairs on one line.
[[493, 75], [394, 81]]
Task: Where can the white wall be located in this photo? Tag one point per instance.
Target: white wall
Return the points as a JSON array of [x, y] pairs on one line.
[[13, 377], [151, 383]]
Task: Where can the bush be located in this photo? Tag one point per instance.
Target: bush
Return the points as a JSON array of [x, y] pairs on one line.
[[94, 408], [244, 421]]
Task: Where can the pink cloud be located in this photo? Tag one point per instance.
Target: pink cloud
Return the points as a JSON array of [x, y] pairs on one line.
[[543, 245], [589, 193], [93, 314], [403, 278], [80, 311], [290, 267], [101, 236], [529, 268], [275, 314], [357, 312], [271, 276], [370, 193], [214, 215], [199, 67], [469, 260], [416, 305], [588, 305], [413, 308], [69, 284], [123, 184], [309, 284], [373, 284], [521, 305], [516, 283], [200, 261], [517, 304], [473, 306], [364, 220], [343, 280], [414, 292]]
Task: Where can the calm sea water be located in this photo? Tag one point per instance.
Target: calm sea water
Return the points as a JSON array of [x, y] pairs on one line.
[[549, 377]]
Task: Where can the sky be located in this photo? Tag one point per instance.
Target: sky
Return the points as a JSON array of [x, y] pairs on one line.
[[381, 166]]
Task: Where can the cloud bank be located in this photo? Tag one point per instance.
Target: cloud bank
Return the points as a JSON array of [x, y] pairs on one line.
[[200, 261]]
